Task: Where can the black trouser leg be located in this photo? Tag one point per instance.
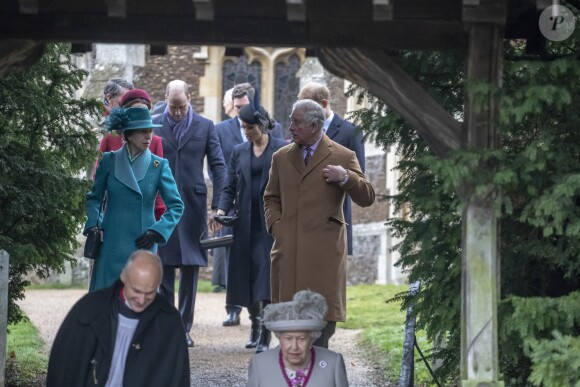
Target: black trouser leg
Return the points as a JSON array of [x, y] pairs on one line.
[[327, 333], [187, 293]]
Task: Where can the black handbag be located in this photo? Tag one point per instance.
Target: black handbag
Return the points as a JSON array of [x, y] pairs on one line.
[[95, 233], [94, 241], [215, 242]]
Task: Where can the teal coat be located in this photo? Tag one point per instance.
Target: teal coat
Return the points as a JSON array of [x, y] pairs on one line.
[[131, 189]]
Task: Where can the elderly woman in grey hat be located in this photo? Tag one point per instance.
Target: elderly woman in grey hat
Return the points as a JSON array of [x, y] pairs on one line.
[[297, 363]]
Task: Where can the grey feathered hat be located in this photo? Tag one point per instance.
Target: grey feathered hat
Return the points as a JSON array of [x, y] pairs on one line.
[[306, 312]]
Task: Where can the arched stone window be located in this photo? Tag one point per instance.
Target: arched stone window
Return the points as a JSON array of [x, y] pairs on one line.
[[238, 70], [286, 89]]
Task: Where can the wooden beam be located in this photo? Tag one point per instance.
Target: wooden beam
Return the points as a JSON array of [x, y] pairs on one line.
[[17, 55], [157, 50], [485, 11], [137, 29], [480, 271], [379, 74], [296, 10], [117, 8], [81, 48], [382, 10], [28, 7], [204, 9], [543, 4]]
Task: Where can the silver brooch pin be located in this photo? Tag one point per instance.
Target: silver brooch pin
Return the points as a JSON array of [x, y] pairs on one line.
[[323, 364], [156, 163]]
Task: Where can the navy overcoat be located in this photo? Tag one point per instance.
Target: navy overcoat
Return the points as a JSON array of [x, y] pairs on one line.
[[246, 288], [186, 160], [346, 134]]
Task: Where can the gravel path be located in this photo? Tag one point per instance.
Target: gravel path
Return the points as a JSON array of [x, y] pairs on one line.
[[219, 357]]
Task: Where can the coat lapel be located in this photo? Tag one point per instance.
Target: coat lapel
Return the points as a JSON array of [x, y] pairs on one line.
[[323, 150], [235, 130], [190, 132], [246, 163], [297, 158], [166, 132], [123, 170], [141, 165], [268, 152], [334, 127]]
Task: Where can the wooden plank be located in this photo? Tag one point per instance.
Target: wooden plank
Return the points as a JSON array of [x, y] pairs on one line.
[[116, 8], [485, 11], [296, 10], [277, 33], [382, 10], [29, 7], [204, 9], [376, 72]]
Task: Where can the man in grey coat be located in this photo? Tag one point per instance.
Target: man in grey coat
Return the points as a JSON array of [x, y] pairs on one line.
[[187, 139]]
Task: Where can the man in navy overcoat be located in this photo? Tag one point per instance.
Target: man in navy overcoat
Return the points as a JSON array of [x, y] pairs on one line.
[[187, 139]]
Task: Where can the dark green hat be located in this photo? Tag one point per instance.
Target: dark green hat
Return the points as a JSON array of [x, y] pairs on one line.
[[130, 119]]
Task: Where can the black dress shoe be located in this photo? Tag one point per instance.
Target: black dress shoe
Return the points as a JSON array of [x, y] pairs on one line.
[[233, 319], [189, 340]]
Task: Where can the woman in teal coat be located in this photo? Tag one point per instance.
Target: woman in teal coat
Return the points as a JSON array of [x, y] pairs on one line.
[[129, 179]]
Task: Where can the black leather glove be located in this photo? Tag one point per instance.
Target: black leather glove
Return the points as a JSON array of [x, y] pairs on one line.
[[148, 239], [225, 220]]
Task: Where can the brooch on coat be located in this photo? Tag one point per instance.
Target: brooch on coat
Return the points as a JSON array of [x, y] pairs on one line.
[[155, 163]]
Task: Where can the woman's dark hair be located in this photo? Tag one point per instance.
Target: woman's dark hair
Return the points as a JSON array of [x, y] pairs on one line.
[[258, 116]]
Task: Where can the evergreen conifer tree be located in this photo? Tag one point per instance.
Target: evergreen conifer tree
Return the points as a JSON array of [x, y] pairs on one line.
[[47, 140], [537, 183]]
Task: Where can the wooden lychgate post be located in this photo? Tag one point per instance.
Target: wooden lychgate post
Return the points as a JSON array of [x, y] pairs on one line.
[[480, 276], [3, 312]]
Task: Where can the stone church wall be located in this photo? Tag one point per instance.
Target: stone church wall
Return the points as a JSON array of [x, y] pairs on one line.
[[161, 69]]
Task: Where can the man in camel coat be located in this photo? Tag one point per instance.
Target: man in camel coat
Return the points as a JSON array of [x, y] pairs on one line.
[[303, 204]]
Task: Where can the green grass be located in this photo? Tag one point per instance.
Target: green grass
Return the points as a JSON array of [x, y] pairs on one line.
[[56, 286], [204, 286], [383, 327], [26, 363]]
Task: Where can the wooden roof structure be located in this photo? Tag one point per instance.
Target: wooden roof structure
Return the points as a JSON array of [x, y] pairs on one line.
[[389, 24], [353, 39]]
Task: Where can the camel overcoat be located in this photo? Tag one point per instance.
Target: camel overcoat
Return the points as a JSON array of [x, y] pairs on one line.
[[305, 216]]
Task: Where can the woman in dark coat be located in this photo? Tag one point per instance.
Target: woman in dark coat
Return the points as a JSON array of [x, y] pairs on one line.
[[249, 262]]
